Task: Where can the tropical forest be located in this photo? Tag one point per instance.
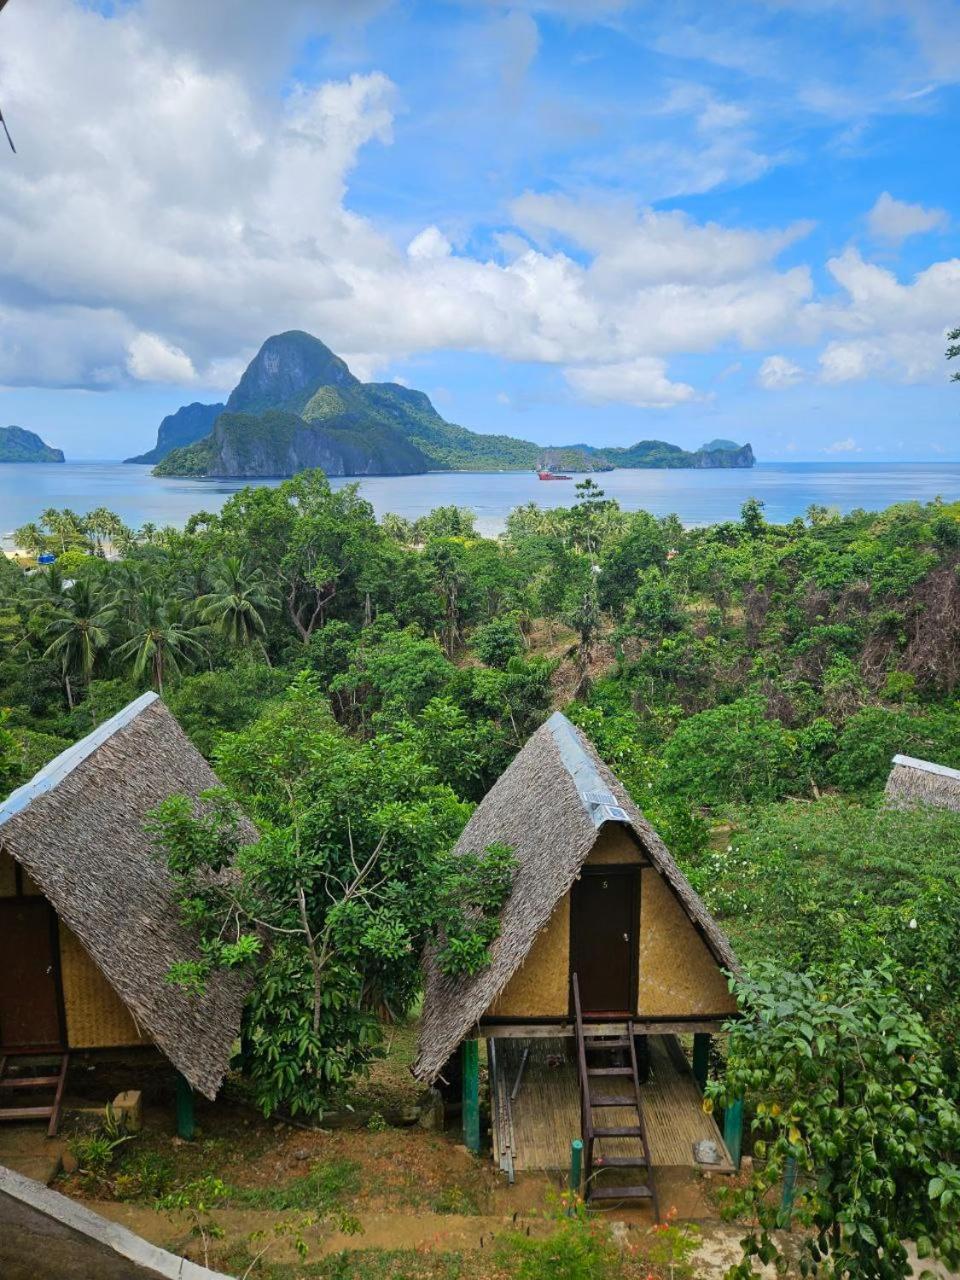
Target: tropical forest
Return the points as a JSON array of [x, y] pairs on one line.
[[359, 685]]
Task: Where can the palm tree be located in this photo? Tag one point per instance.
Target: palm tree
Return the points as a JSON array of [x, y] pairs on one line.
[[236, 603], [162, 639], [104, 526], [80, 629]]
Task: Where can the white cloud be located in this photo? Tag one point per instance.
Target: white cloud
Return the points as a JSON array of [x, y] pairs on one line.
[[150, 359], [777, 372], [843, 446], [894, 220], [430, 243], [166, 240], [641, 382], [887, 329]]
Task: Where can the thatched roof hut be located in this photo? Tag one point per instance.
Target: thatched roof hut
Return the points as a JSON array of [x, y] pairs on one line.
[[915, 782], [559, 807], [75, 836]]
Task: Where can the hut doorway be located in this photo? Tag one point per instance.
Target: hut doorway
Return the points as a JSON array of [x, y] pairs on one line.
[[30, 1000], [604, 915]]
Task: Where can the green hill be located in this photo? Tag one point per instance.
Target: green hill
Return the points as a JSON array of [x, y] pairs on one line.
[[19, 445]]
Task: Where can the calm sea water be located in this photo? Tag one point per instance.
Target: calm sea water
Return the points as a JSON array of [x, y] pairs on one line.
[[697, 497]]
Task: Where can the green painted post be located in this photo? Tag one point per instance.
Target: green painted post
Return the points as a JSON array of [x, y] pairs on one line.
[[733, 1130], [701, 1058], [471, 1094], [186, 1125], [576, 1165], [789, 1188]]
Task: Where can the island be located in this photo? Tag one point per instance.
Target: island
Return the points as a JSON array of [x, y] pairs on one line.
[[20, 445], [298, 405]]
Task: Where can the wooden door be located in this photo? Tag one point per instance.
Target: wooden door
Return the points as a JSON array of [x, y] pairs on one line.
[[603, 939], [30, 1001]]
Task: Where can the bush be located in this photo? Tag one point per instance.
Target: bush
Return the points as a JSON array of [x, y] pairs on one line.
[[496, 642], [733, 753]]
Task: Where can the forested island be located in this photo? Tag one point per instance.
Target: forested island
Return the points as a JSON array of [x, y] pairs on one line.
[[19, 445], [298, 406]]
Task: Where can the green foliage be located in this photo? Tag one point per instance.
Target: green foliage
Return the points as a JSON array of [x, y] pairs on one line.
[[351, 878], [578, 1248], [845, 1080], [497, 641], [805, 883], [733, 753]]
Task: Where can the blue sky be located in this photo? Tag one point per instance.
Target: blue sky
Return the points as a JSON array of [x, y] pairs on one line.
[[563, 220]]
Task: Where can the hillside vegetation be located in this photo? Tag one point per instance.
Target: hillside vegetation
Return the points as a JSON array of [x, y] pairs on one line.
[[360, 685]]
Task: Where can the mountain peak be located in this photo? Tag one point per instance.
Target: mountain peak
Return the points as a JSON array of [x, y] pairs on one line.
[[286, 371]]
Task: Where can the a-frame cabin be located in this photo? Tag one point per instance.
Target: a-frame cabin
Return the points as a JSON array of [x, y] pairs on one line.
[[90, 922], [605, 956]]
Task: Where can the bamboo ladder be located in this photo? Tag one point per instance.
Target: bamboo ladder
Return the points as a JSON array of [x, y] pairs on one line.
[[608, 1039]]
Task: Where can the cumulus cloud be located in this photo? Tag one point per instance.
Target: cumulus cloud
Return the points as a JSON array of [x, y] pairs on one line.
[[887, 329], [894, 220], [150, 359], [643, 383], [777, 372], [165, 240], [849, 445]]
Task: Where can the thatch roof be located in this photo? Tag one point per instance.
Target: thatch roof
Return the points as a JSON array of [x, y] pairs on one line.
[[549, 806], [914, 782], [78, 829]]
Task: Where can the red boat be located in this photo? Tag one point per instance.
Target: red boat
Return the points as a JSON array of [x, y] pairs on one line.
[[552, 475]]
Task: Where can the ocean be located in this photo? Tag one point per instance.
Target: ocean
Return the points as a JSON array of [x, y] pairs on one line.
[[698, 497]]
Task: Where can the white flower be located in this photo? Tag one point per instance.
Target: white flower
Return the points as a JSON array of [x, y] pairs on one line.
[[913, 924], [729, 848]]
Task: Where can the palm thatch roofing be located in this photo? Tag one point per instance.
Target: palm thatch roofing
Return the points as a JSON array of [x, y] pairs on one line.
[[549, 806], [77, 828], [915, 782]]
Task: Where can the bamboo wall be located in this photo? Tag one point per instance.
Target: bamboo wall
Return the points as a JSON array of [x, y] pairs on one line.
[[678, 976], [96, 1016]]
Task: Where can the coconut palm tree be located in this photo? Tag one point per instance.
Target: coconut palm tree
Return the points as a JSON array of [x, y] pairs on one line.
[[236, 604], [79, 628], [163, 640]]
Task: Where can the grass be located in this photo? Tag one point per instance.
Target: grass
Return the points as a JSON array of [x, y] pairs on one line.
[[325, 1186], [358, 1264]]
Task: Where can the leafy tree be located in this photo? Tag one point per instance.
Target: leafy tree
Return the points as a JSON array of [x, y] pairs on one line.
[[953, 350], [497, 641], [846, 1081], [732, 753], [10, 752], [351, 878]]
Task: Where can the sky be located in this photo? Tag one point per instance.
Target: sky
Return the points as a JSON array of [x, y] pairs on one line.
[[566, 220]]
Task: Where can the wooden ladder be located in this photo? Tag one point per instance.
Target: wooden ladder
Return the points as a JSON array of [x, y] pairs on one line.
[[33, 1082], [609, 1039]]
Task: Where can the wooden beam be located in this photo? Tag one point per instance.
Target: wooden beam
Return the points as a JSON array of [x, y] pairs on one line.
[[470, 1050], [553, 1030]]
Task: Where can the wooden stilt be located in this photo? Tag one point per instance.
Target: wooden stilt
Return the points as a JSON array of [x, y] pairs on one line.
[[733, 1130], [186, 1124], [470, 1050], [701, 1058]]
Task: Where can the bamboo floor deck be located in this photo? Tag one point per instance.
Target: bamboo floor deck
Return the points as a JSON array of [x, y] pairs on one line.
[[544, 1117]]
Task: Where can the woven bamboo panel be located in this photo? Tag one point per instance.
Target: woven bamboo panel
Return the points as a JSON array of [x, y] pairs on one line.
[[678, 975], [539, 988], [96, 1016], [546, 1110]]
